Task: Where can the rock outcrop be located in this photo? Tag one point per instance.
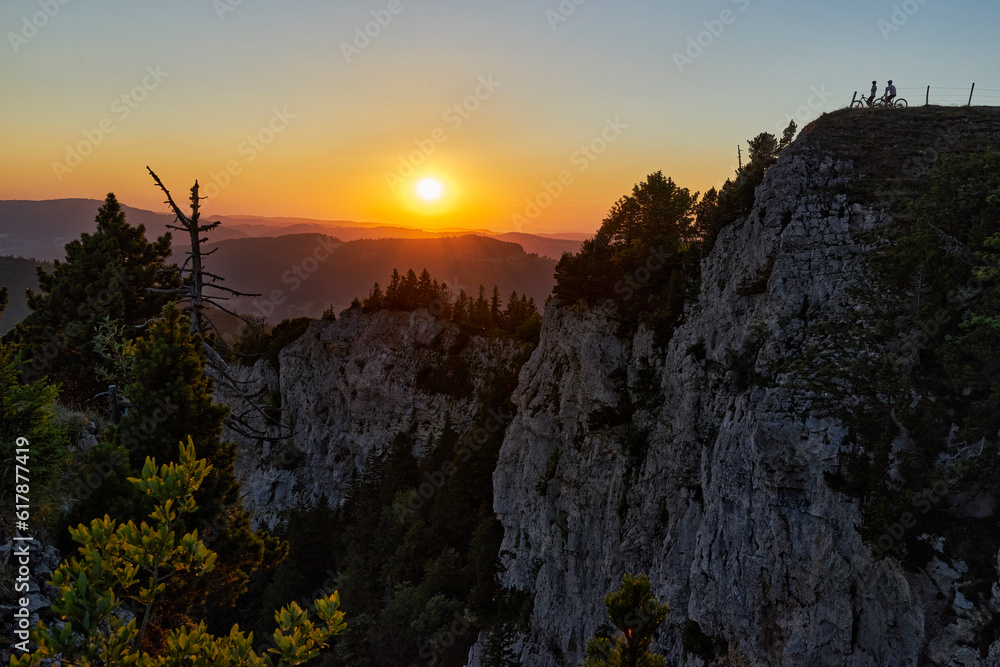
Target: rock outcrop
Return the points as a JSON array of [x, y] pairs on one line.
[[716, 488], [345, 389]]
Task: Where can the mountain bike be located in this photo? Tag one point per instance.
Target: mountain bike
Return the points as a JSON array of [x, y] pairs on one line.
[[897, 103], [862, 103]]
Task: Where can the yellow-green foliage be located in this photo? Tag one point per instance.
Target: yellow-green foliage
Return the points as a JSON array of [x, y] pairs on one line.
[[109, 590], [637, 615]]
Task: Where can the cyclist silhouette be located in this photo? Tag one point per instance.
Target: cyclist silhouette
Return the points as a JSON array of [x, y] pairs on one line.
[[871, 98], [890, 93]]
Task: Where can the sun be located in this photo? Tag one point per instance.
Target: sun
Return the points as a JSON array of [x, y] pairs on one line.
[[430, 189]]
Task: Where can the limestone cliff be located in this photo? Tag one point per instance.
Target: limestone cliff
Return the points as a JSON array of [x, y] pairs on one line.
[[716, 488], [345, 389]]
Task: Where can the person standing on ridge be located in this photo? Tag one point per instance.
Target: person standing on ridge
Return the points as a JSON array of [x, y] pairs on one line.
[[890, 93], [871, 98]]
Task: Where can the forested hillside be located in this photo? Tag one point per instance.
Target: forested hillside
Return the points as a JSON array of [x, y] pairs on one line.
[[302, 275]]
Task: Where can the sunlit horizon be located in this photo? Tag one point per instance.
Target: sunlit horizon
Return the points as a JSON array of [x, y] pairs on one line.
[[533, 117]]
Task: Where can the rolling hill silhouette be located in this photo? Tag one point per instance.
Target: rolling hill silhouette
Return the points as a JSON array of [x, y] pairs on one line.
[[292, 262], [40, 229], [301, 275]]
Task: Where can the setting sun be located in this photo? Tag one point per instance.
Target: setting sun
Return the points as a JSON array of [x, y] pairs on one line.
[[430, 189]]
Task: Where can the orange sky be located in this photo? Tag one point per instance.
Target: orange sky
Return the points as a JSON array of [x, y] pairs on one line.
[[534, 119]]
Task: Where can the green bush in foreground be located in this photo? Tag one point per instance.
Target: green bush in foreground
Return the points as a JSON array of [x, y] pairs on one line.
[[108, 592]]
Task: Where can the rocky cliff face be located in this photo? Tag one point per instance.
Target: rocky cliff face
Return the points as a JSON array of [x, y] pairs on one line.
[[716, 488], [345, 389]]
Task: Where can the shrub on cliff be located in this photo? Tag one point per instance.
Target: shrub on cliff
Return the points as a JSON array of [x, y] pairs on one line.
[[170, 399], [636, 617], [939, 296]]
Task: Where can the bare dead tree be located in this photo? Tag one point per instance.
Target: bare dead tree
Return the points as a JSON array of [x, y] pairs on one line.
[[196, 280]]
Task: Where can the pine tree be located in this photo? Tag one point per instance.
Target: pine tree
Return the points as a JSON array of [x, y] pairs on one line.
[[392, 296], [171, 400], [515, 312], [460, 313], [375, 301], [408, 291], [481, 311], [27, 421], [426, 290], [105, 274], [637, 615], [496, 312], [197, 281], [444, 296]]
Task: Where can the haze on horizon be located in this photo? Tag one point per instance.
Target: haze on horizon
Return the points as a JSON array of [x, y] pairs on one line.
[[563, 105]]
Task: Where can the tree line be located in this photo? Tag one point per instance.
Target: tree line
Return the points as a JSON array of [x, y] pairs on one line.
[[411, 292], [644, 260]]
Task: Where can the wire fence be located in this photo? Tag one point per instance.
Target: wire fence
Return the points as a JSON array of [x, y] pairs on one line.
[[940, 96]]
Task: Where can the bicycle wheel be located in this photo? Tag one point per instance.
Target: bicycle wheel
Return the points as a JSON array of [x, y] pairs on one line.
[[858, 104], [901, 103]]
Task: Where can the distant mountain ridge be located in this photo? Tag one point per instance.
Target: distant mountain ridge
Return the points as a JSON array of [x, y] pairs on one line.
[[41, 229], [300, 267], [301, 275]]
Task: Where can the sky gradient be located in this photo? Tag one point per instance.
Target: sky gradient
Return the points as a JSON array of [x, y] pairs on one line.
[[536, 116]]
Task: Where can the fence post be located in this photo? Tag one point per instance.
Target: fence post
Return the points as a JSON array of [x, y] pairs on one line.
[[854, 98], [928, 100], [970, 93]]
